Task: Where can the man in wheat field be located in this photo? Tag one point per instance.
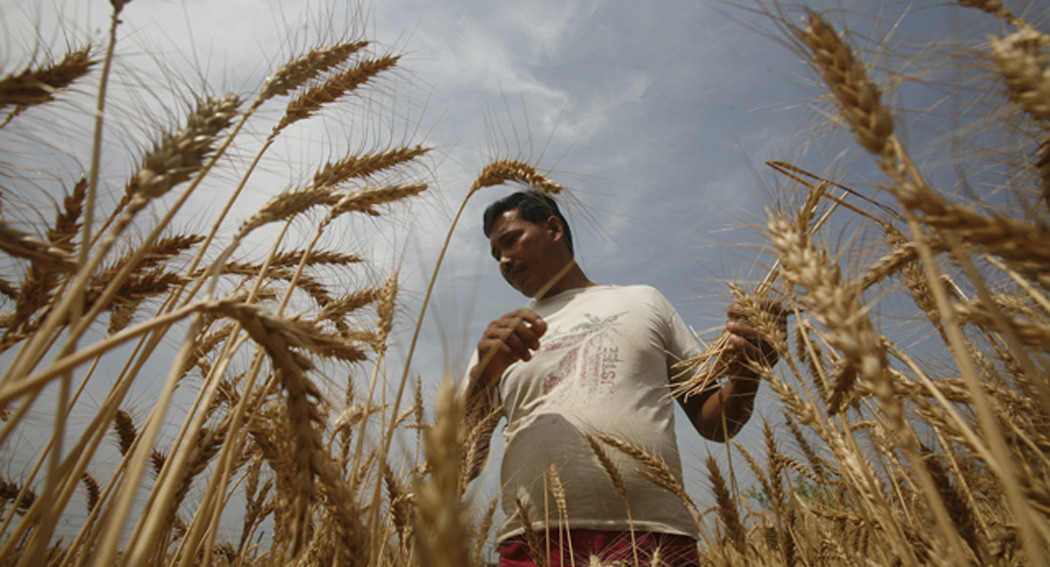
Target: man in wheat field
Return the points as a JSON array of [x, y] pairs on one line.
[[583, 377]]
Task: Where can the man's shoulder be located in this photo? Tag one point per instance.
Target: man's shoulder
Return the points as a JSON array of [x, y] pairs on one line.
[[640, 290], [640, 295]]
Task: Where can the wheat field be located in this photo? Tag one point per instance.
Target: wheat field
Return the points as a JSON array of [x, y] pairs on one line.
[[220, 394]]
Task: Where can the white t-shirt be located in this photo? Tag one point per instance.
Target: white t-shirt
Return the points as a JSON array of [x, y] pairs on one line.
[[603, 366]]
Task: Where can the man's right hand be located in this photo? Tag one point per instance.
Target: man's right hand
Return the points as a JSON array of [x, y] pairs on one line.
[[507, 340]]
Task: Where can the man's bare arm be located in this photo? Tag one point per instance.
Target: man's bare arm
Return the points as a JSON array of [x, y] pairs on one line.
[[719, 413]]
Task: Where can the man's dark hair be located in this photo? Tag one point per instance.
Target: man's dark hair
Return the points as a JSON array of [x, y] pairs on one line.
[[532, 206]]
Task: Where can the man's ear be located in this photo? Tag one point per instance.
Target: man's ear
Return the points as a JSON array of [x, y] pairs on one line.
[[555, 228]]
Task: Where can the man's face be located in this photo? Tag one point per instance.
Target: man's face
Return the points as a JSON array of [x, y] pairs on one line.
[[529, 255]]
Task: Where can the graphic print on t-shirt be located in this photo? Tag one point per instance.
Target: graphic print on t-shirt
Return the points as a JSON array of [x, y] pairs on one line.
[[587, 355]]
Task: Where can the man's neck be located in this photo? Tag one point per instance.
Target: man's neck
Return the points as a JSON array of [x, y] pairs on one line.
[[574, 278]]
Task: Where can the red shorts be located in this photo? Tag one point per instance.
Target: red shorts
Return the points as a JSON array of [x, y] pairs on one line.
[[670, 550]]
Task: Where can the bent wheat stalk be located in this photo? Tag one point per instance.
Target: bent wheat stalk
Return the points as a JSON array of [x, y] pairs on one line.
[[495, 173]]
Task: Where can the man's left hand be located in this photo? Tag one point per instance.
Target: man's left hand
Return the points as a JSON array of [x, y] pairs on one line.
[[746, 339]]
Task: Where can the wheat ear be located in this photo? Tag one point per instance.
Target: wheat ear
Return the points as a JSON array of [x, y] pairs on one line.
[[483, 530], [557, 489], [286, 205], [359, 166], [67, 221], [313, 99], [845, 75], [22, 245], [501, 171], [834, 303], [1022, 62], [727, 509], [314, 258], [532, 539], [476, 445], [366, 200], [37, 86], [994, 7], [41, 280], [92, 489], [275, 335], [21, 496], [618, 483], [178, 156], [337, 309], [656, 471], [441, 525], [610, 469], [8, 290], [302, 69]]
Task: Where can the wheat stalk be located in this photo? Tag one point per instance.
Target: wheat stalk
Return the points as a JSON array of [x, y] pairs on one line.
[[388, 435], [1043, 165]]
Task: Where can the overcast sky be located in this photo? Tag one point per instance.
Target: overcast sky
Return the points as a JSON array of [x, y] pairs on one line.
[[657, 115]]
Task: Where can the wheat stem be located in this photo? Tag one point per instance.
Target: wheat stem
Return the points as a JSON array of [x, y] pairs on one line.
[[1002, 463]]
